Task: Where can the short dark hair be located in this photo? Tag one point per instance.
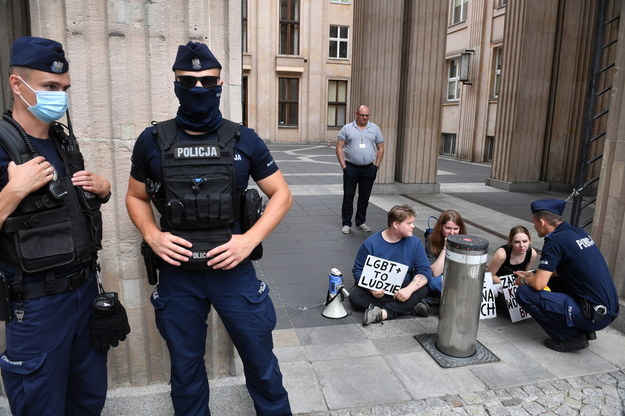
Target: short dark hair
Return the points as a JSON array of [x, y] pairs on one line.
[[399, 213], [550, 217]]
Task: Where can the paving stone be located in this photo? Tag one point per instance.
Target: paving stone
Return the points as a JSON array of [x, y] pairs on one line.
[[611, 411], [498, 411], [534, 408], [572, 403], [476, 410], [565, 411], [551, 401], [589, 411]]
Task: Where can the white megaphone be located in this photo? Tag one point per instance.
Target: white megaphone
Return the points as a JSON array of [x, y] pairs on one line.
[[334, 308], [336, 293]]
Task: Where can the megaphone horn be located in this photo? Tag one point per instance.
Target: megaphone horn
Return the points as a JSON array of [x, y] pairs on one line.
[[334, 308]]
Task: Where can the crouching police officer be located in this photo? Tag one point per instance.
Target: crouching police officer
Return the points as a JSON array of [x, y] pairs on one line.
[[195, 169], [583, 298], [50, 233]]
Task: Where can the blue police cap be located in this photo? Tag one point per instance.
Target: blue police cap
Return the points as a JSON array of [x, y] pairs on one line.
[[39, 53], [195, 56], [552, 205]]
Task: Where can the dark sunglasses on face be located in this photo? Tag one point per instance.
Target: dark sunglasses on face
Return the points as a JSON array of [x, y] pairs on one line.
[[189, 81]]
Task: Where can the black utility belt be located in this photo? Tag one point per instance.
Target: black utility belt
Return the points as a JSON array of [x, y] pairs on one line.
[[47, 287], [596, 313]]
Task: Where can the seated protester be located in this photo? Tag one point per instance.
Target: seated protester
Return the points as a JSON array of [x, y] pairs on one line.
[[517, 254], [396, 244], [584, 299], [449, 223]]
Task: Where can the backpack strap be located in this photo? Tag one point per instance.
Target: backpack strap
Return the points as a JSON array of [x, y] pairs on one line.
[[13, 143]]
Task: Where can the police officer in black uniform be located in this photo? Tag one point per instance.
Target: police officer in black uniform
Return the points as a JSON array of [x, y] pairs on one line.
[[50, 232], [583, 298], [195, 169]]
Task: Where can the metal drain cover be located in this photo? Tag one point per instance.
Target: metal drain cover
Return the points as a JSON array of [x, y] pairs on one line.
[[482, 354]]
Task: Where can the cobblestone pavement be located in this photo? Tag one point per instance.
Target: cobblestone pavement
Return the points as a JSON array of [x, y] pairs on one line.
[[600, 394]]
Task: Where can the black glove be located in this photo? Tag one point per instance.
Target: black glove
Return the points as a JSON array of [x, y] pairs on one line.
[[109, 322]]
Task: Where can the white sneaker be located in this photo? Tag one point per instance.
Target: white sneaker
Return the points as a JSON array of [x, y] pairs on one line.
[[364, 227], [345, 229]]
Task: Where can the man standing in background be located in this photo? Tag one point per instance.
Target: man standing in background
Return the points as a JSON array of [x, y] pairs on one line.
[[359, 149]]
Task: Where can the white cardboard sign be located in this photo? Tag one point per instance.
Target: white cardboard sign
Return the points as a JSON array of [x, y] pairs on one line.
[[381, 274], [517, 313], [488, 309]]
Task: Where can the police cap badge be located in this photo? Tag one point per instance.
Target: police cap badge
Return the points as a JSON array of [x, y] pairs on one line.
[[195, 56]]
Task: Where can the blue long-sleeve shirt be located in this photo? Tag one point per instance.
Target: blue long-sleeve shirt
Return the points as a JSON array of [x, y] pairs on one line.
[[408, 251]]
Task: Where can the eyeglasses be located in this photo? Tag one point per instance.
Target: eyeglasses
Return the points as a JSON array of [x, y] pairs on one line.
[[189, 81], [363, 115]]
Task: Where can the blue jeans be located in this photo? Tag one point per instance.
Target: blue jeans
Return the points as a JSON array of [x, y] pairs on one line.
[[361, 177]]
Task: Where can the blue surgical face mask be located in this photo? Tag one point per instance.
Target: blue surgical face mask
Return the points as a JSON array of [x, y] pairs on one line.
[[51, 105]]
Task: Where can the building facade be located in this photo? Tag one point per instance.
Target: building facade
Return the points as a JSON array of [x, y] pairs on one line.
[[296, 68]]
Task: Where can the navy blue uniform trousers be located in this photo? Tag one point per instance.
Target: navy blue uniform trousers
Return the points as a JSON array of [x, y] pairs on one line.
[[49, 367], [363, 178], [557, 313], [182, 301]]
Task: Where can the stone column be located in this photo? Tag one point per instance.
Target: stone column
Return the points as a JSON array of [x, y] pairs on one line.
[[571, 76], [529, 39], [120, 56], [376, 71], [398, 72]]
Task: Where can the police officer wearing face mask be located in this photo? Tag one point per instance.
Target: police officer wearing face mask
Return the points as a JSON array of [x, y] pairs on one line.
[[194, 169], [50, 232]]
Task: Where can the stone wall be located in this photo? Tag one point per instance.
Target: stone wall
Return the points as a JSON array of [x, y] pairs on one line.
[[120, 54]]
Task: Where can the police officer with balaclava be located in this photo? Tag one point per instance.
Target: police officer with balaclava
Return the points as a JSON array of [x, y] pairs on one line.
[[50, 232], [195, 169]]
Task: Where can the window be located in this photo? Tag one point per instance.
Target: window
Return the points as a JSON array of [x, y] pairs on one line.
[[448, 147], [341, 1], [500, 3], [337, 103], [288, 101], [244, 24], [453, 82], [458, 11], [289, 27], [489, 147], [338, 41], [497, 60]]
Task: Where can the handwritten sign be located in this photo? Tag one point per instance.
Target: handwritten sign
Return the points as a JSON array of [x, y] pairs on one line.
[[517, 313], [381, 274], [488, 310]]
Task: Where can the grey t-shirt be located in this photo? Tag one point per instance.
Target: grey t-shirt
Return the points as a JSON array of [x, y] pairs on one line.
[[360, 145]]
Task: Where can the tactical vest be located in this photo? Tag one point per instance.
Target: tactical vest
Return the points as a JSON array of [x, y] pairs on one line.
[[58, 225], [198, 198]]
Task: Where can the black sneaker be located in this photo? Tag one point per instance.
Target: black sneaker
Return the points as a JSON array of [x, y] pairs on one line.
[[590, 335], [566, 345], [373, 315], [421, 309]]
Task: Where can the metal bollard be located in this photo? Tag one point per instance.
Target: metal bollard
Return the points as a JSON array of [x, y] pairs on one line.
[[459, 316]]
